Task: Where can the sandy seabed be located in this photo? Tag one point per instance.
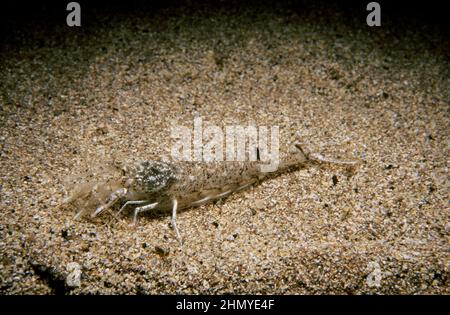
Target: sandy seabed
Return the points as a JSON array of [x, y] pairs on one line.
[[111, 89]]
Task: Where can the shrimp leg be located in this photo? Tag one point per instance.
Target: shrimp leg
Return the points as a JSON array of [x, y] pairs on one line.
[[137, 202], [142, 209], [174, 220]]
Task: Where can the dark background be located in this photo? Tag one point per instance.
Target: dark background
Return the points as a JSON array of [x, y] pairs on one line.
[[19, 14]]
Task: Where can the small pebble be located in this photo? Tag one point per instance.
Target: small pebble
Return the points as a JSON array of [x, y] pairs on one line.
[[73, 279], [259, 204]]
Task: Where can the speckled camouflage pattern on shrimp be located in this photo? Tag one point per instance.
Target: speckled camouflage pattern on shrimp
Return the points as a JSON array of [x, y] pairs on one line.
[[163, 186]]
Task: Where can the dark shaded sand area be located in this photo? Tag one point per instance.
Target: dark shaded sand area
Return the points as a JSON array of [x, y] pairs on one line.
[[109, 91]]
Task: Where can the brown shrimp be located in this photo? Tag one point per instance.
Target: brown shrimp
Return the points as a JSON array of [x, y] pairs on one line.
[[156, 185]]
